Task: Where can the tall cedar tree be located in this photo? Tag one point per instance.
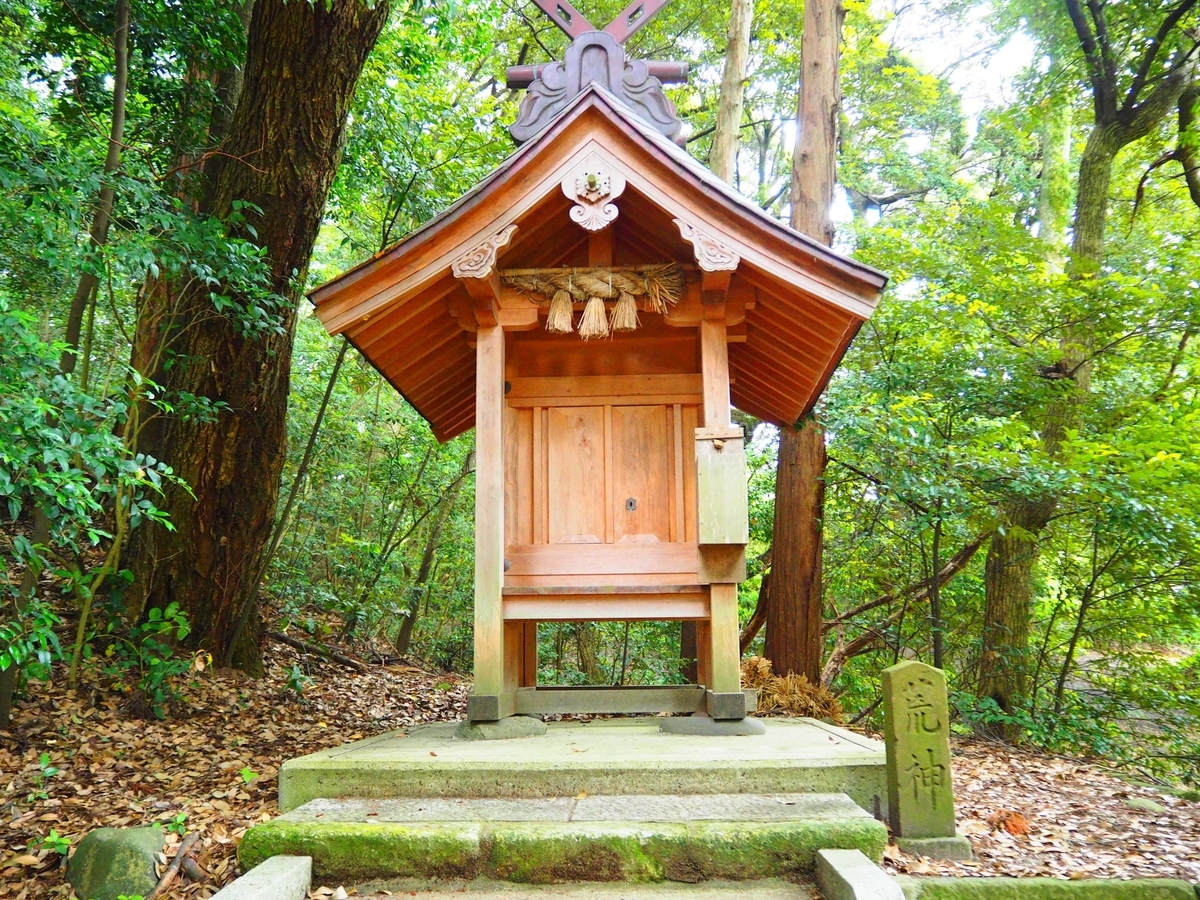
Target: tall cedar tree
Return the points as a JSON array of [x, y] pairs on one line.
[[1125, 110], [794, 610], [281, 153]]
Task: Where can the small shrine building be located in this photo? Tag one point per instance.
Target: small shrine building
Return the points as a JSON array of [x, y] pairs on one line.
[[592, 309]]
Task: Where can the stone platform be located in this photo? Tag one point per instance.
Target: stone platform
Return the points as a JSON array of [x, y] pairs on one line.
[[585, 838], [602, 757]]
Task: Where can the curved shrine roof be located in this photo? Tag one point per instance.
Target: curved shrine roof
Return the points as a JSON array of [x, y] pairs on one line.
[[794, 304]]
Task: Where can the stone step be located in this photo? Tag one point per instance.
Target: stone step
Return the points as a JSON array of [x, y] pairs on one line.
[[643, 838], [769, 889], [605, 756]]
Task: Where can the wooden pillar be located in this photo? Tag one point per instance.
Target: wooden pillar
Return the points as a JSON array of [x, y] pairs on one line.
[[725, 668], [486, 702], [714, 370], [720, 564]]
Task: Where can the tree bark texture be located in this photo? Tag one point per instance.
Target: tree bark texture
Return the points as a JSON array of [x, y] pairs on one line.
[[723, 157], [281, 154], [795, 611], [589, 660]]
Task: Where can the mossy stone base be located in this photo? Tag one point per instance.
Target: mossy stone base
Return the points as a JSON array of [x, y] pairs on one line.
[[111, 862], [956, 847], [1043, 889], [551, 853]]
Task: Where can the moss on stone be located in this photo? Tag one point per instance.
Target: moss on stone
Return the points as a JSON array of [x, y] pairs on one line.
[[550, 853], [553, 854], [359, 851], [1044, 889], [111, 862], [738, 851]]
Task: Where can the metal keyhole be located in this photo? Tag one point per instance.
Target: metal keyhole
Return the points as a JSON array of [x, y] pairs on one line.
[[630, 505]]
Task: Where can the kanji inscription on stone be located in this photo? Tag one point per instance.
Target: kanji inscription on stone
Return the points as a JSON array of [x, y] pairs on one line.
[[916, 726]]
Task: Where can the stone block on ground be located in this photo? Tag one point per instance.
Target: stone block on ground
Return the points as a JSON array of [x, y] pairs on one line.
[[956, 846], [916, 728], [500, 730], [278, 878], [1043, 889], [849, 875], [704, 725], [110, 862]]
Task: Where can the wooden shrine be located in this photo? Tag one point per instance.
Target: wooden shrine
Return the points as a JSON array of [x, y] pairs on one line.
[[610, 479]]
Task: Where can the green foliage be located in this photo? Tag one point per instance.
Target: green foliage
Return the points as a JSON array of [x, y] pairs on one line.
[[53, 841], [178, 824], [145, 660], [45, 772], [297, 683], [30, 636]]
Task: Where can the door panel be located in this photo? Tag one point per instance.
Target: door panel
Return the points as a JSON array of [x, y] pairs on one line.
[[575, 474], [642, 474]]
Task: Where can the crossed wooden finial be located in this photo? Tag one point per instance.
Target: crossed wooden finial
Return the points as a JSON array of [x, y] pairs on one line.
[[598, 58], [627, 22]]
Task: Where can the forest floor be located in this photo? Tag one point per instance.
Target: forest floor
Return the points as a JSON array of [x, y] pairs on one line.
[[215, 764]]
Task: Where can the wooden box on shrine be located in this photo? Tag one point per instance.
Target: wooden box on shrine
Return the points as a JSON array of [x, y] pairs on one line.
[[592, 309]]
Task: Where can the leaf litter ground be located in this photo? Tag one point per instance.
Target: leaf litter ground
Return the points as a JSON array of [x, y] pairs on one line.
[[217, 764]]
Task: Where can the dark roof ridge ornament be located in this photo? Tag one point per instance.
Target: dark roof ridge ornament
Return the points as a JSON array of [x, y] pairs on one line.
[[597, 57]]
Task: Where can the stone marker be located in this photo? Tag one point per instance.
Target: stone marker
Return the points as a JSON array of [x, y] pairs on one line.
[[916, 730], [111, 862]]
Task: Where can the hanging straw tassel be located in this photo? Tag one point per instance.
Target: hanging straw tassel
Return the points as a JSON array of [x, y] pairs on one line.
[[559, 319], [624, 314], [594, 322]]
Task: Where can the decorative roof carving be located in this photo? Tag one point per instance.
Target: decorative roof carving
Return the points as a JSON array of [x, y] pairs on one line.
[[711, 254], [479, 262], [594, 185], [595, 57]]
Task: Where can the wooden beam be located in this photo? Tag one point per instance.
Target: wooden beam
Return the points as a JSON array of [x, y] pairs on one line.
[[489, 511], [714, 370], [649, 607], [529, 657], [600, 247], [477, 270], [486, 294], [611, 700]]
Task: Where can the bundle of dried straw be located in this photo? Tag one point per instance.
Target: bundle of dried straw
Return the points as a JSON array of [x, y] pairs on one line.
[[659, 286]]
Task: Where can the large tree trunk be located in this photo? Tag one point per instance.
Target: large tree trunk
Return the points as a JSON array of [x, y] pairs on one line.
[[794, 614], [723, 157], [589, 658], [281, 154], [795, 611]]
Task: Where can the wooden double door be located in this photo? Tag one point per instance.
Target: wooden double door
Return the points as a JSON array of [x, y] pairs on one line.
[[600, 492]]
